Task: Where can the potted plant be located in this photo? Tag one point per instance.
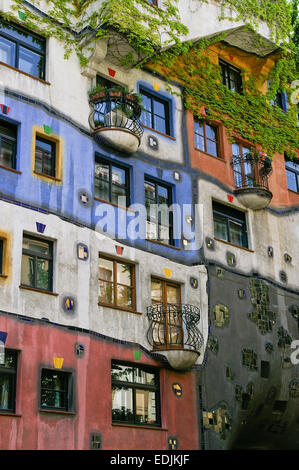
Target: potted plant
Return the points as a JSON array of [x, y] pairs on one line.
[[98, 91]]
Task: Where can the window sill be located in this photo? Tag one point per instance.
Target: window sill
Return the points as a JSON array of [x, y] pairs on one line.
[[158, 132], [25, 73], [4, 276], [41, 291], [232, 244], [115, 307], [220, 159], [10, 414], [58, 412], [163, 244], [137, 426], [114, 205], [293, 192], [47, 177], [10, 169]]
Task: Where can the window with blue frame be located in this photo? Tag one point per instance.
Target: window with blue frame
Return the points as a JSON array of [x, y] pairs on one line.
[[230, 224], [22, 50], [111, 182], [8, 144], [292, 172], [155, 113], [158, 199]]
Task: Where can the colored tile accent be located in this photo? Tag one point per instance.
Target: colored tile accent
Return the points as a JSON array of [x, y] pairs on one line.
[[167, 272], [230, 198], [40, 227], [22, 15], [137, 355], [47, 129], [156, 86], [4, 109], [177, 389], [111, 72], [82, 251], [119, 250], [3, 336], [58, 362]]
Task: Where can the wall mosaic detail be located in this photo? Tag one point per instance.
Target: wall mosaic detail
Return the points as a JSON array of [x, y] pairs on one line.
[[218, 421], [249, 359], [262, 316], [221, 315]]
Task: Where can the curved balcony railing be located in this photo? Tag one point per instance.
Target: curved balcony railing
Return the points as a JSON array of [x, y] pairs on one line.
[[173, 326], [251, 170], [115, 110]]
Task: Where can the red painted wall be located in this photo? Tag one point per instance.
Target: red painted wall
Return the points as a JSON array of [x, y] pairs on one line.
[[38, 343]]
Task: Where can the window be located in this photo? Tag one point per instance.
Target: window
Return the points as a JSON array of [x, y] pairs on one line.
[[206, 138], [166, 297], [104, 108], [230, 225], [56, 390], [8, 378], [135, 395], [45, 157], [8, 144], [2, 247], [155, 113], [243, 169], [111, 182], [37, 263], [292, 172], [280, 100], [158, 200], [22, 50], [117, 284], [231, 76]]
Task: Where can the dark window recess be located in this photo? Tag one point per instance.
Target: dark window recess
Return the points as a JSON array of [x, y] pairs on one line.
[[95, 441], [158, 201], [45, 157], [230, 224], [8, 378], [135, 395], [245, 401], [280, 406], [206, 138], [22, 50], [111, 183], [1, 255], [292, 172], [37, 263], [265, 369], [8, 143], [231, 76], [155, 113], [56, 390], [107, 106], [280, 100], [153, 2]]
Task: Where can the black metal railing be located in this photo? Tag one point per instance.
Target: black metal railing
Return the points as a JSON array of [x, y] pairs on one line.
[[115, 110], [174, 326], [251, 170]]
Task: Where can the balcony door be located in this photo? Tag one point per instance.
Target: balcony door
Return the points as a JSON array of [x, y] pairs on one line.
[[166, 300], [243, 169]]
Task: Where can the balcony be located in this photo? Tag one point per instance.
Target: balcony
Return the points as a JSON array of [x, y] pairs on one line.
[[114, 119], [251, 173], [173, 332]]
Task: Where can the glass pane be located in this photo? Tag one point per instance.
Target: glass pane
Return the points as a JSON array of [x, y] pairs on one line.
[[5, 392], [7, 153], [159, 332], [27, 271], [212, 148], [124, 274], [164, 235], [211, 132], [156, 291], [159, 109], [118, 192], [105, 269], [146, 103], [43, 274], [236, 233], [123, 373], [151, 230], [199, 142], [245, 150], [160, 124], [38, 161], [53, 399], [145, 407], [292, 165], [119, 176], [122, 404], [125, 297], [30, 62], [236, 149], [53, 389], [143, 377], [101, 189], [172, 294], [23, 36], [37, 246], [146, 118], [150, 191], [220, 227], [162, 195], [106, 293], [198, 128], [7, 52], [292, 180], [10, 360]]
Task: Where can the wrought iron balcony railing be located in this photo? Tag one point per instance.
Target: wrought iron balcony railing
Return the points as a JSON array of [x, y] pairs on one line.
[[115, 110], [251, 170], [174, 326]]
